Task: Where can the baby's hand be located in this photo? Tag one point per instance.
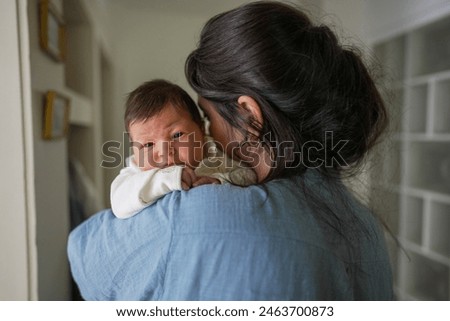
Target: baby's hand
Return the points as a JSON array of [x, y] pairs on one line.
[[205, 180], [188, 178]]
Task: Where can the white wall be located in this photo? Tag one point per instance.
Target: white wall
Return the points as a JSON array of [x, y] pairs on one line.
[[152, 39], [51, 182], [15, 270], [346, 18], [385, 18]]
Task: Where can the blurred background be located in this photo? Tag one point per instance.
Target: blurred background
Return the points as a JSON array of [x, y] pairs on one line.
[[48, 186]]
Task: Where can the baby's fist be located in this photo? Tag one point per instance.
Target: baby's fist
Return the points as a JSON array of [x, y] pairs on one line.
[[188, 177], [205, 180]]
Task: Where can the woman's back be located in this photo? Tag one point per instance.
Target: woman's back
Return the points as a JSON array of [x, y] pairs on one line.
[[230, 243]]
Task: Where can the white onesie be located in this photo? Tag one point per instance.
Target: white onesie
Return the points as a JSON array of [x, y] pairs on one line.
[[134, 189]]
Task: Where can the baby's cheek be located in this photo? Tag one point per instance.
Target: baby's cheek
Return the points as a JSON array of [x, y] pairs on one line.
[[143, 160], [187, 157], [138, 157]]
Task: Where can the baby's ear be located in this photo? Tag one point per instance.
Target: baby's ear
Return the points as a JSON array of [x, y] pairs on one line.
[[250, 108]]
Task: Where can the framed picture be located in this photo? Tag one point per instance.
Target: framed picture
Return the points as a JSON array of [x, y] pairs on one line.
[[52, 31], [56, 115]]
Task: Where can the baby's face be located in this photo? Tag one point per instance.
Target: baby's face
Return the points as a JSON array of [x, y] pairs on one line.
[[167, 139]]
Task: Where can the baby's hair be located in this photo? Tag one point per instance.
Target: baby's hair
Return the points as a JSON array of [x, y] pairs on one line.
[[150, 98]]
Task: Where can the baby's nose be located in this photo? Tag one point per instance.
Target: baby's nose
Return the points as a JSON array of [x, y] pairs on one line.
[[164, 153]]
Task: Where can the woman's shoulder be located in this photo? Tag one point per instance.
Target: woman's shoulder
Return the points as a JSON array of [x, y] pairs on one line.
[[225, 197], [275, 209]]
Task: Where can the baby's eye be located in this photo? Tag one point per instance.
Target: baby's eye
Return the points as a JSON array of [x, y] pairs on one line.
[[148, 145], [177, 135]]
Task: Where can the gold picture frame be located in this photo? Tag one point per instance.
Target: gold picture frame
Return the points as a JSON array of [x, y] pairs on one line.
[[56, 115], [52, 31]]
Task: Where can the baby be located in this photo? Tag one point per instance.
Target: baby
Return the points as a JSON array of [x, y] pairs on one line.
[[171, 150]]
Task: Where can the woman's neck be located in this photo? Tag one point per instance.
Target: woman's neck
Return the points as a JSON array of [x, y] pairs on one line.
[[257, 158]]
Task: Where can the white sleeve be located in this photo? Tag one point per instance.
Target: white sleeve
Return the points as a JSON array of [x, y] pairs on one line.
[[133, 189]]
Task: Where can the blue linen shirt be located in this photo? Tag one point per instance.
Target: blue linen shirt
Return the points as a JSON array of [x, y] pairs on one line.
[[224, 242]]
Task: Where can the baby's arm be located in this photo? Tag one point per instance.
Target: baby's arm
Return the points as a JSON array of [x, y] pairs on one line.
[[133, 189]]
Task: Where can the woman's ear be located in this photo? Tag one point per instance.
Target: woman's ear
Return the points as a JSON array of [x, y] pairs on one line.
[[251, 108]]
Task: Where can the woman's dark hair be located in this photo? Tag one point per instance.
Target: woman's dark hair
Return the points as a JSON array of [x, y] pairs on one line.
[[320, 106], [314, 94], [152, 97]]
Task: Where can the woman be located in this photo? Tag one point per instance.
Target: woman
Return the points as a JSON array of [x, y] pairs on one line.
[[286, 99]]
